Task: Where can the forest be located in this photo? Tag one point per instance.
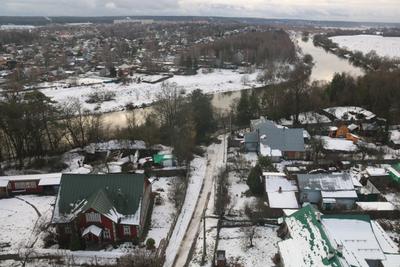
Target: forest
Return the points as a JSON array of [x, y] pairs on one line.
[[252, 48]]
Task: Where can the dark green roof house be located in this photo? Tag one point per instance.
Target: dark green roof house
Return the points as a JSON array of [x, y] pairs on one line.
[[394, 172], [101, 207]]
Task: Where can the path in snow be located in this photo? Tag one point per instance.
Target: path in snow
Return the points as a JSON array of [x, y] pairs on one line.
[[178, 249], [30, 204]]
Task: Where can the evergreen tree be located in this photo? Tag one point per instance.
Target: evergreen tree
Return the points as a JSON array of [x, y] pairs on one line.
[[254, 180]]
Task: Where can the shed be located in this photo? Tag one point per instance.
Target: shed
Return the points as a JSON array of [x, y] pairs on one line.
[[4, 184]]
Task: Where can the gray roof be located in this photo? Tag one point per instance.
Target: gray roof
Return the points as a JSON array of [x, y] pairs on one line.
[[325, 181], [284, 139], [251, 137]]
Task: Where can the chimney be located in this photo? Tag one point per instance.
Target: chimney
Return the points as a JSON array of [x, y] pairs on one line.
[[339, 248], [318, 216], [280, 189]]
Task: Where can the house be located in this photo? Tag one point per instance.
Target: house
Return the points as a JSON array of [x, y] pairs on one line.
[[100, 209], [360, 240], [314, 239], [275, 141], [305, 241], [29, 184], [331, 191], [394, 172], [281, 192], [4, 185], [344, 132]]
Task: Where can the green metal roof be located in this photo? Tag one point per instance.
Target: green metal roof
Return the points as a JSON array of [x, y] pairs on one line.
[[394, 172], [101, 192], [306, 215]]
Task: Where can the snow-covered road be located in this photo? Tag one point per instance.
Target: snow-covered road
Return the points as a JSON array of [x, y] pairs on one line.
[[188, 224]]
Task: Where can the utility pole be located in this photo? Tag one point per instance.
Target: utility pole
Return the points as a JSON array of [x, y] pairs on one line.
[[203, 257]]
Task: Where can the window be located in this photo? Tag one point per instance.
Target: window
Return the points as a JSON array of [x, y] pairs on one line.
[[106, 233], [93, 217], [67, 229], [25, 185], [127, 230]]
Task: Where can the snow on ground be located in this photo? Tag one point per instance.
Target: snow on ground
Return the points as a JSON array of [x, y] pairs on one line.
[[307, 118], [162, 216], [384, 46], [145, 93], [211, 235], [197, 175], [237, 190], [235, 242], [18, 219]]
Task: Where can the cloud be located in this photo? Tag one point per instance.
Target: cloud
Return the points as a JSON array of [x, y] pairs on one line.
[[359, 10]]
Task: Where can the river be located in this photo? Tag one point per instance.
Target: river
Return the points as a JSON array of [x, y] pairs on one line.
[[325, 66]]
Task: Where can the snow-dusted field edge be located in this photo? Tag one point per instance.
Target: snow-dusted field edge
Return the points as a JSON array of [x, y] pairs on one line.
[[137, 94], [384, 46]]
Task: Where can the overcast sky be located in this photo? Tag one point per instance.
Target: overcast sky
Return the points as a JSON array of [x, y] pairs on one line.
[[355, 10]]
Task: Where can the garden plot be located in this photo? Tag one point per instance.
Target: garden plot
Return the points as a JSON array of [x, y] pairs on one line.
[[163, 214], [19, 220], [235, 242]]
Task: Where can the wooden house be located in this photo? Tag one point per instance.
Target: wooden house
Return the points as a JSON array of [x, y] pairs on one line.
[[28, 184], [101, 209]]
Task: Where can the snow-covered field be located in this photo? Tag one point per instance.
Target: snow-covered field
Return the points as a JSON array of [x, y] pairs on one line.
[[384, 46], [236, 244], [144, 93], [19, 220]]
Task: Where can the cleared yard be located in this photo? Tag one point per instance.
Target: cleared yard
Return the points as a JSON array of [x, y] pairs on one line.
[[18, 220]]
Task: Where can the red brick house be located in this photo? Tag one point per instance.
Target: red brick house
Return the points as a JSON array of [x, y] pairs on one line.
[[101, 209]]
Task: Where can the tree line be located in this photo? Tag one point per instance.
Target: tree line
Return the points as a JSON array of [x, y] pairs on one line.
[[255, 48], [376, 91], [32, 126]]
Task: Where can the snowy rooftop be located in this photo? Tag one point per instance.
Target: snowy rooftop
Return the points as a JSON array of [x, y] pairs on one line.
[[357, 236], [50, 181], [339, 194], [31, 177], [373, 171], [4, 182], [350, 113], [326, 182], [308, 244], [337, 144], [274, 183], [376, 205], [283, 200]]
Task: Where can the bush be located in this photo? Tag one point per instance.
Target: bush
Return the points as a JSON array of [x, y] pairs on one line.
[[100, 96], [254, 180], [75, 242], [150, 243]]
